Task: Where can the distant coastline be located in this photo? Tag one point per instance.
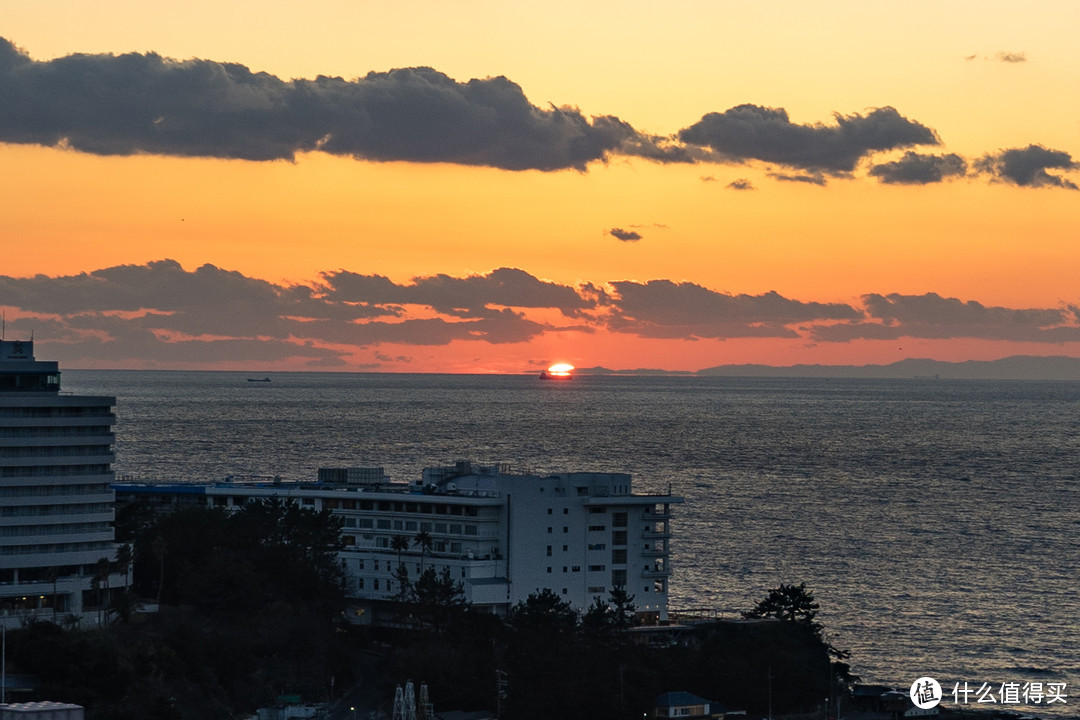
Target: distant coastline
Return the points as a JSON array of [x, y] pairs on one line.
[[1017, 367]]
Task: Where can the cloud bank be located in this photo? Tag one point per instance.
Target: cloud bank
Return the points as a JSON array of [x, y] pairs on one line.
[[147, 104], [134, 103], [160, 314]]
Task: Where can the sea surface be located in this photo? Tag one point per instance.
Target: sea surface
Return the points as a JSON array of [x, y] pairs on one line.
[[936, 521]]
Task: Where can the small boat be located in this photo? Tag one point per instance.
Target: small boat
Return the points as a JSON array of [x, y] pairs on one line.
[[265, 379]]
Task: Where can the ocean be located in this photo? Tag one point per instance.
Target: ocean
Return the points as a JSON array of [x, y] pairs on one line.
[[936, 521]]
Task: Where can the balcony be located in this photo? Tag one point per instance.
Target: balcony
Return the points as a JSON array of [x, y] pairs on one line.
[[655, 571]]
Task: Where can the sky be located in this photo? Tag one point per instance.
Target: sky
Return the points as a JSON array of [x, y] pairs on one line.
[[481, 186]]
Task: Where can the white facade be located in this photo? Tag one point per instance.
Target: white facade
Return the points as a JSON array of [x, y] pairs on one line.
[[56, 500], [503, 535]]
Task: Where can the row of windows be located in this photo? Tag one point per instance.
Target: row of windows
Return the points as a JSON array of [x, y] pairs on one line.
[[36, 530], [54, 470], [50, 510], [54, 490], [411, 526], [56, 432], [38, 451], [54, 548], [577, 568], [423, 508], [56, 412]]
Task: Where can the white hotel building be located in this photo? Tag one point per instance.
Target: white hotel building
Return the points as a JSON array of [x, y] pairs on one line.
[[56, 499], [502, 534]]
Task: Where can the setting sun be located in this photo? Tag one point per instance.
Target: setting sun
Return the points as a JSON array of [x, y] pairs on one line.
[[559, 370]]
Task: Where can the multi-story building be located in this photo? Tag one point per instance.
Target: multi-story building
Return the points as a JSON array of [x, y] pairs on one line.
[[502, 534], [57, 555]]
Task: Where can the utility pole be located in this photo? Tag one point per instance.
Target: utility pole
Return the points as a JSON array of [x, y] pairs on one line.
[[770, 692]]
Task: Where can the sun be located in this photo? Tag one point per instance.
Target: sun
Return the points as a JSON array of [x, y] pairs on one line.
[[560, 370]]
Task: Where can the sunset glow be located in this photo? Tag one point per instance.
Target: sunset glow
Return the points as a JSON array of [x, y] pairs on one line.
[[434, 188]]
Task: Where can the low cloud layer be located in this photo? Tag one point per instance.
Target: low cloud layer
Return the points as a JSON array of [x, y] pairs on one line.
[[133, 103], [160, 314], [931, 316], [146, 104]]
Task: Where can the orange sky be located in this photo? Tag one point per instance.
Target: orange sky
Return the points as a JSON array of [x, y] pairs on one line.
[[978, 264]]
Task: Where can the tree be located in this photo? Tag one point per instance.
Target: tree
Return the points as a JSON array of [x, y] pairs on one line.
[[788, 602], [796, 604], [102, 570], [544, 613], [399, 543], [425, 543]]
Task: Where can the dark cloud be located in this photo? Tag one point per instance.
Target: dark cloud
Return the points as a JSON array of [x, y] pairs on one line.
[[160, 311], [624, 235], [918, 169], [741, 184], [133, 103], [504, 287], [931, 316], [1027, 167], [160, 314], [809, 179], [1012, 57], [662, 308], [752, 132]]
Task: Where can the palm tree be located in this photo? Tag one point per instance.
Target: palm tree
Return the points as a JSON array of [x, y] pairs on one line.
[[52, 575], [124, 557], [400, 543], [424, 542], [161, 547], [102, 570]]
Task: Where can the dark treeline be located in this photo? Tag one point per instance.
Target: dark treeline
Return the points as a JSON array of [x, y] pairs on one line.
[[251, 608]]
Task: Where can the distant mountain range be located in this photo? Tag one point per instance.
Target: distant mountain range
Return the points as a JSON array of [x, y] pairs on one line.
[[1018, 367]]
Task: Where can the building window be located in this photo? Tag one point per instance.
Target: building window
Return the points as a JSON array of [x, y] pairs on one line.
[[618, 578], [360, 583], [361, 564], [582, 491], [618, 537], [549, 511], [597, 528], [565, 548], [618, 519], [549, 570], [549, 531], [575, 568], [618, 556], [566, 511], [597, 568], [565, 529], [549, 551], [564, 591], [411, 526], [376, 583]]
